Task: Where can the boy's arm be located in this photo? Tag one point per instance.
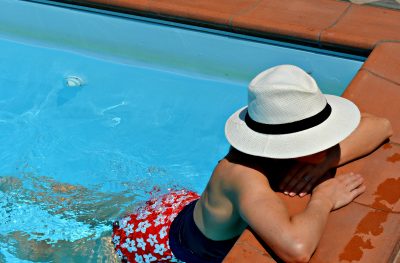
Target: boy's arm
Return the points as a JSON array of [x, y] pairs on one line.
[[370, 134], [293, 239]]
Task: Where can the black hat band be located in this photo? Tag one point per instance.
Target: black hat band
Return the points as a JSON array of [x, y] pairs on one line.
[[291, 127]]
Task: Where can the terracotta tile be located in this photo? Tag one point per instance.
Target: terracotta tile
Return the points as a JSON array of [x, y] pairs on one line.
[[357, 233], [385, 61], [377, 96], [211, 11], [246, 252], [294, 204], [299, 18], [249, 238], [363, 27], [381, 171]]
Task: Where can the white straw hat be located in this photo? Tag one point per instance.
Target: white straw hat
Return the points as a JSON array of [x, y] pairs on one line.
[[288, 116]]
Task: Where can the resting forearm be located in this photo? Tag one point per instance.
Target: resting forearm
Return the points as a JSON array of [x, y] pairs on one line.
[[370, 133], [310, 224], [303, 232]]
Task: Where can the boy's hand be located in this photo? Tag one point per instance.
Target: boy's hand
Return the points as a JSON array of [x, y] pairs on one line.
[[340, 190], [308, 172]]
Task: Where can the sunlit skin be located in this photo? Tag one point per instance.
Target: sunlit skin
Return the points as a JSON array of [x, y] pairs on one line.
[[240, 193]]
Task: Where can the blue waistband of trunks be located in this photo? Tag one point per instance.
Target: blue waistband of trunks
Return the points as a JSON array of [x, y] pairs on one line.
[[190, 245]]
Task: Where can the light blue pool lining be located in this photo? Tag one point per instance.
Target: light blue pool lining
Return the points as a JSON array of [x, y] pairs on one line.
[[207, 52]]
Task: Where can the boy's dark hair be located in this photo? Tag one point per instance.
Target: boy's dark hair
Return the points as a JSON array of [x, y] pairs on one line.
[[273, 169]]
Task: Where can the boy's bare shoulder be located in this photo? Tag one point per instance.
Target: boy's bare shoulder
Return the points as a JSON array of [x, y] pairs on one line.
[[235, 176]]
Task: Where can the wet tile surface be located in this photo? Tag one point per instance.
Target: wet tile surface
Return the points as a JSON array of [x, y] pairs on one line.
[[357, 233], [219, 12], [381, 171], [284, 17], [363, 27], [377, 96]]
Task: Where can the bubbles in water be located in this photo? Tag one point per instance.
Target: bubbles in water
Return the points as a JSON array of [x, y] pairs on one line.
[[115, 121]]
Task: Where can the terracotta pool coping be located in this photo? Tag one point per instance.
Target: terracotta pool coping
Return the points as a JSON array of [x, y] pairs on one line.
[[367, 230]]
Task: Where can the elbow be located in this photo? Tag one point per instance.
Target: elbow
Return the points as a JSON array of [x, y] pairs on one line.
[[388, 127], [299, 253], [382, 123]]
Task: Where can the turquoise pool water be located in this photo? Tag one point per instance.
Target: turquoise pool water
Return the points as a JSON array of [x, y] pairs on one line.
[[148, 115]]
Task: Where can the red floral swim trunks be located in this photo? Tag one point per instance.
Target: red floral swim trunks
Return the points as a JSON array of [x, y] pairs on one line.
[[143, 235]]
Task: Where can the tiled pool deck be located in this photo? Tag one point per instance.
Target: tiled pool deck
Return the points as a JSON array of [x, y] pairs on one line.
[[368, 229]]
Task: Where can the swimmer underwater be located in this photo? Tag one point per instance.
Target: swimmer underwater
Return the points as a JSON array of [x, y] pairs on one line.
[[290, 138]]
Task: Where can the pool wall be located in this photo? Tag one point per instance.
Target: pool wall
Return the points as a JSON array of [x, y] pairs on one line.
[[215, 54]]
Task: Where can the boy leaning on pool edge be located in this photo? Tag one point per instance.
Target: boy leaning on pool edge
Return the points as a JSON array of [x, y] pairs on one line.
[[290, 137]]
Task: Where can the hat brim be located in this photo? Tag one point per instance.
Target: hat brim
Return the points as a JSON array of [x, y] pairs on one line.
[[342, 121]]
